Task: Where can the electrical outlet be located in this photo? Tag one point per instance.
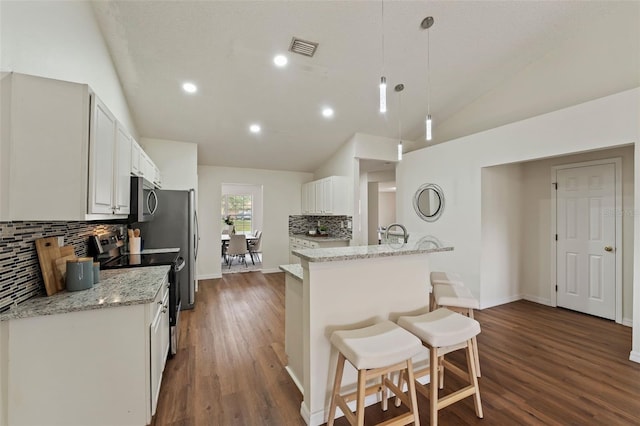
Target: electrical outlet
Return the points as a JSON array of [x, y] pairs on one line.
[[348, 224], [60, 241]]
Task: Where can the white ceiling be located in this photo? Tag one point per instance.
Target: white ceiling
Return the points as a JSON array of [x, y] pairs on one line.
[[226, 48]]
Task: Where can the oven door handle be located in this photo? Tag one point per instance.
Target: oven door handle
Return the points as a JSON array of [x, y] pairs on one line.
[[180, 263]]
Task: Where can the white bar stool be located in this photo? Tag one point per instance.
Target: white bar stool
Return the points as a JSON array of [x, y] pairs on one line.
[[457, 298], [446, 278], [444, 331], [375, 351]]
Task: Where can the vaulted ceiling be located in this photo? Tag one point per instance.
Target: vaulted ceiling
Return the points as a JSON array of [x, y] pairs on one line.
[[227, 47]]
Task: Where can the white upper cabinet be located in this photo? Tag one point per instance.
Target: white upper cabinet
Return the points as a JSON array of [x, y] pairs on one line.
[[62, 156], [135, 157], [328, 196], [102, 147]]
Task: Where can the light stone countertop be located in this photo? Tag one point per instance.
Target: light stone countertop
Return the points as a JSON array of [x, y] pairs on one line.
[[422, 245], [117, 287], [295, 270], [319, 239]]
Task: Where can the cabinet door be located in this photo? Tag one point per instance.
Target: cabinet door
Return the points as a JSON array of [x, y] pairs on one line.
[[122, 171], [101, 153], [319, 197], [135, 158], [327, 195]]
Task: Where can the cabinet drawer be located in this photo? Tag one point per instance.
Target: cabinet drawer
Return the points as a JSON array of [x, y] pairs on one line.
[[159, 301]]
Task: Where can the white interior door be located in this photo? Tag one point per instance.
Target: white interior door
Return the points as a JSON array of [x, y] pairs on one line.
[[586, 230]]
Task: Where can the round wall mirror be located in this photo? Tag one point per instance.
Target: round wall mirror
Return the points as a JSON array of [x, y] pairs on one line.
[[429, 202]]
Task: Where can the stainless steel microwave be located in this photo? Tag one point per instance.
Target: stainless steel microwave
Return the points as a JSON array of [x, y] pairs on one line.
[[144, 200]]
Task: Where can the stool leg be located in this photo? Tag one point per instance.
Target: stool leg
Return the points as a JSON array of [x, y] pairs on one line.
[[476, 357], [336, 389], [384, 396], [433, 386], [441, 372], [362, 387], [411, 382], [400, 384], [473, 378]]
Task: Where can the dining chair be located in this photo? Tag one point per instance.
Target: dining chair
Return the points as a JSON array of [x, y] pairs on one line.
[[254, 246], [237, 248]]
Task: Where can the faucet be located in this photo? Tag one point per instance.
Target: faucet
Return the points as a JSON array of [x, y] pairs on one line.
[[404, 231]]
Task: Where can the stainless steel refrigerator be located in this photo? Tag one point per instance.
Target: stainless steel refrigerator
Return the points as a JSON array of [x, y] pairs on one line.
[[175, 224]]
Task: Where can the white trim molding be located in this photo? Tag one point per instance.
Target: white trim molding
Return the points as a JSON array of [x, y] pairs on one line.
[[634, 356]]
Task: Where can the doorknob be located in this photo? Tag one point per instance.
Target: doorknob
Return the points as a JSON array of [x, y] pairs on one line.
[[608, 248]]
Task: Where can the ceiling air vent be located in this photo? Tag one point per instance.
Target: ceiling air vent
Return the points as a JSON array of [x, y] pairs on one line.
[[303, 47]]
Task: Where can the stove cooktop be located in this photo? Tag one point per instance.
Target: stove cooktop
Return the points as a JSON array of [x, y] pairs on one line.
[[137, 260]]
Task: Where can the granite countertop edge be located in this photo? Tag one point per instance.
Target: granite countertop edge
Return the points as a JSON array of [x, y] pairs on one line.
[[117, 287], [319, 239], [294, 270], [357, 252]]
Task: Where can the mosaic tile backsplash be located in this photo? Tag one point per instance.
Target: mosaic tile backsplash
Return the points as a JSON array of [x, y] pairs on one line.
[[20, 277], [337, 226]]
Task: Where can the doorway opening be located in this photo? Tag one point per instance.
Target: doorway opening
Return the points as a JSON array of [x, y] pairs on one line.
[[241, 210]]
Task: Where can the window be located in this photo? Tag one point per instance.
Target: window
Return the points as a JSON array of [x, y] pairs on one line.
[[239, 208]]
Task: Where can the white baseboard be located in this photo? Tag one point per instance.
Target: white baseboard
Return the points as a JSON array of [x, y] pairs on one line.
[[270, 270], [491, 303], [209, 276], [634, 356], [627, 321], [537, 299]]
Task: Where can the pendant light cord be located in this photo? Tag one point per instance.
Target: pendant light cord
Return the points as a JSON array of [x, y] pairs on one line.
[[400, 116], [428, 73], [382, 32]]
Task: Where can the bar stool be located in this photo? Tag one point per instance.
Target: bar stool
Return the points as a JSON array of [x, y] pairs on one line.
[[444, 331], [457, 298], [447, 278], [375, 351]]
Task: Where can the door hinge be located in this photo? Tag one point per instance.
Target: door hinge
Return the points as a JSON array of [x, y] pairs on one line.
[[556, 237], [555, 185], [556, 288]]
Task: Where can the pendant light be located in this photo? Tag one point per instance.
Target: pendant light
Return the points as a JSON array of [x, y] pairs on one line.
[[399, 88], [425, 25], [383, 79]]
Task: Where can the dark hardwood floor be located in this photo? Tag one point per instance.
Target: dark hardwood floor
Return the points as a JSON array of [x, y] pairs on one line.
[[540, 365]]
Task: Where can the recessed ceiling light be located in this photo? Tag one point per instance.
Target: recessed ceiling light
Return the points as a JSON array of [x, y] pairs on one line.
[[254, 128], [189, 88], [327, 112], [280, 60]]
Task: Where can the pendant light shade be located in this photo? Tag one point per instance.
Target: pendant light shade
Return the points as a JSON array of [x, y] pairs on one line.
[[400, 151], [399, 88], [383, 94], [428, 127]]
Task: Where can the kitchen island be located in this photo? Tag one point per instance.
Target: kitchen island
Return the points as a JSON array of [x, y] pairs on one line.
[[351, 287], [91, 357]]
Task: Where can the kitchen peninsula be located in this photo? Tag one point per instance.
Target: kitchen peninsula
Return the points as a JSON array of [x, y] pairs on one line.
[[348, 287], [91, 357]]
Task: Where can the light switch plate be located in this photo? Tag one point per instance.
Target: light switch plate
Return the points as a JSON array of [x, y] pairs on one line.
[[60, 241]]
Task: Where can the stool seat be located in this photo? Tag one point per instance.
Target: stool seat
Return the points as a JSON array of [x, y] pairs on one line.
[[450, 278], [376, 346], [454, 295], [441, 327]]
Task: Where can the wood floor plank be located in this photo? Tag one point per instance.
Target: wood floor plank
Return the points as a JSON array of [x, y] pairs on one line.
[[540, 365]]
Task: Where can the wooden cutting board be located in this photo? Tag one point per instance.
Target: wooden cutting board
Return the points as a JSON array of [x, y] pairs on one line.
[[60, 270], [48, 252]]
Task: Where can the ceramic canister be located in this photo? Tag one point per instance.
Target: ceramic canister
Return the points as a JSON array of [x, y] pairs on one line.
[[79, 274]]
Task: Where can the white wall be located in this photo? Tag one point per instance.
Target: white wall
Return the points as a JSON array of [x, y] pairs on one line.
[[456, 166], [281, 195], [177, 161], [4, 371], [501, 229], [536, 240], [61, 40], [590, 64], [386, 208], [372, 213]]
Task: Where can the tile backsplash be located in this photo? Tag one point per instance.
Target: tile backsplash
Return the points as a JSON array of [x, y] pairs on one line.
[[20, 277], [337, 226]]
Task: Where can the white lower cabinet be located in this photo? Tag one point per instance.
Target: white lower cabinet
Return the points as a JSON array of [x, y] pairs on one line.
[[99, 367], [297, 243]]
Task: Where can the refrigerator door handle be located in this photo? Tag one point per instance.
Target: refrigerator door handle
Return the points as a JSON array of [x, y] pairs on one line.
[[197, 235]]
